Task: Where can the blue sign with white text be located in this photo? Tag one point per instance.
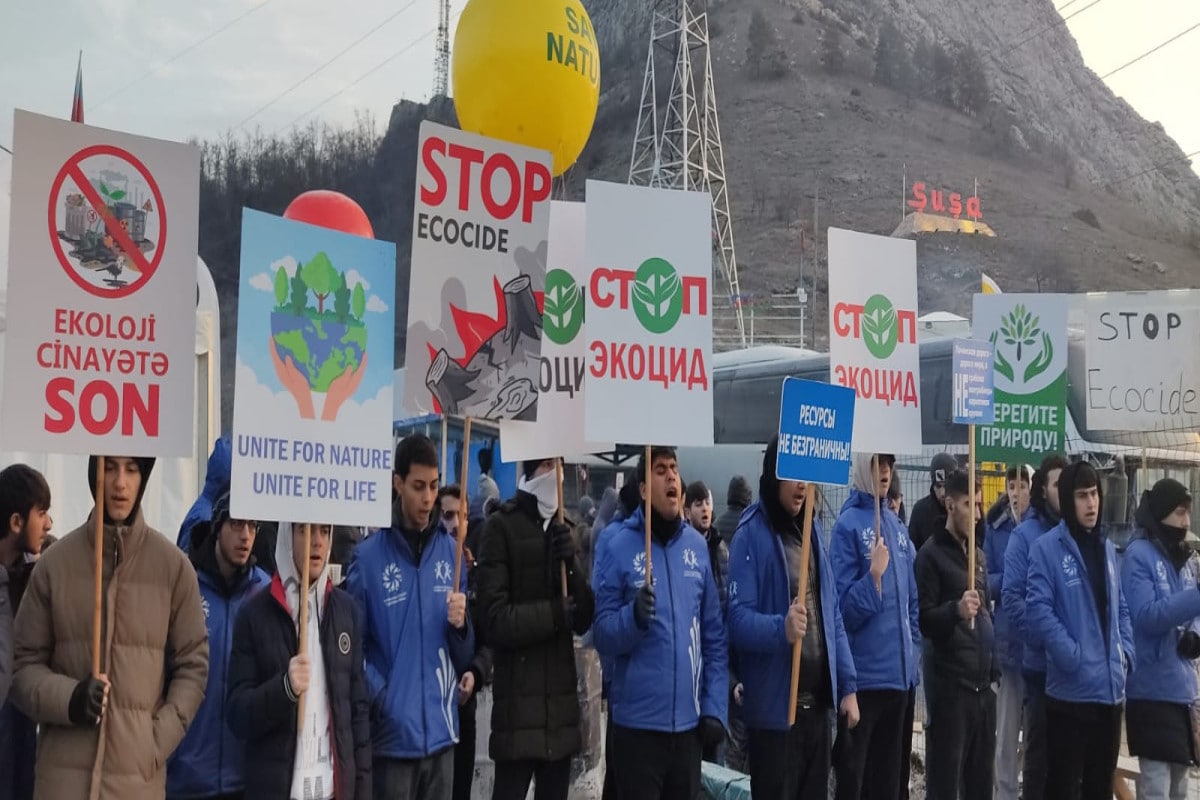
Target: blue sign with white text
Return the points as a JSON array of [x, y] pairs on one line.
[[974, 395], [816, 425]]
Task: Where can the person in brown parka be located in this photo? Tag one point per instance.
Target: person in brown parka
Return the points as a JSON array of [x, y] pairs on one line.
[[108, 736]]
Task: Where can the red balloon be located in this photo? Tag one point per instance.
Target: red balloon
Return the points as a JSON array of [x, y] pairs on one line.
[[330, 210]]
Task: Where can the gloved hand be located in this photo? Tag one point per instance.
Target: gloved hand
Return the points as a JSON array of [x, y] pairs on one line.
[[564, 613], [562, 544], [1189, 645], [643, 606], [712, 732], [88, 701]]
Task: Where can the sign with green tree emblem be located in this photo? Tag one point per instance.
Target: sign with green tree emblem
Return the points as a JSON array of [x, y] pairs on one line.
[[1029, 334]]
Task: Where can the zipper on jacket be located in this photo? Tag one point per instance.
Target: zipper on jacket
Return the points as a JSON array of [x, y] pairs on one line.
[[1095, 608], [674, 646]]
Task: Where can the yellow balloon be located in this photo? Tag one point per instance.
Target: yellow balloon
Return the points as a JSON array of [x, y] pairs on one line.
[[528, 72]]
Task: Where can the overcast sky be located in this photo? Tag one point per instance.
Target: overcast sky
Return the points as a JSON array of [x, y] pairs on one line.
[[145, 73]]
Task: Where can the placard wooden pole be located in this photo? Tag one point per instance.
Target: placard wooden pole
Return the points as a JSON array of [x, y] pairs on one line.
[[801, 596], [971, 528], [98, 609], [875, 492], [558, 515], [462, 506], [445, 426], [646, 478], [304, 580]]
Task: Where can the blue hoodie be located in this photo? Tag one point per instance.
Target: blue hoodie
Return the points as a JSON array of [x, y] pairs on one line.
[[211, 759], [1013, 590], [413, 656], [885, 637], [676, 671], [216, 483], [1082, 665], [995, 547], [759, 598], [1160, 603]]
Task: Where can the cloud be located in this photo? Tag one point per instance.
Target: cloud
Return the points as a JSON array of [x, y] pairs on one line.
[[258, 402], [289, 266], [354, 276], [263, 282], [376, 304]]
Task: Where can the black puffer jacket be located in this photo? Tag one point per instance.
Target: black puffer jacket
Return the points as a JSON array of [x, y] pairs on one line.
[[261, 712], [536, 711], [960, 654], [927, 518]]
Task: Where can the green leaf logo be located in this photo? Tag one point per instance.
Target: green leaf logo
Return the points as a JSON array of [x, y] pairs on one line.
[[879, 326], [657, 295], [562, 312], [1020, 331]]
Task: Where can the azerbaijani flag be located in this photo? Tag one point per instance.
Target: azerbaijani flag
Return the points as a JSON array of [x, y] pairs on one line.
[[77, 101], [989, 285]]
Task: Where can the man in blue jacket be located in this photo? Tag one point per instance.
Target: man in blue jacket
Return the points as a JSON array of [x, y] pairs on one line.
[[766, 618], [670, 691], [210, 762], [1044, 516], [418, 637], [874, 575], [1002, 520], [216, 484], [1159, 581], [1074, 605]]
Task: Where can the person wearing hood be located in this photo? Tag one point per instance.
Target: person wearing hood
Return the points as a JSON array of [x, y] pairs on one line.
[[531, 627], [956, 621], [1002, 519], [211, 759], [929, 514], [326, 752], [1076, 607], [1164, 604], [766, 618], [216, 484], [109, 734], [670, 693], [878, 594], [1043, 516], [738, 498], [418, 635], [485, 488]]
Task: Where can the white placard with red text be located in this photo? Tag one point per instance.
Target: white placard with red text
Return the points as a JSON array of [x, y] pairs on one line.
[[559, 430], [480, 222], [649, 327], [873, 337], [101, 305]]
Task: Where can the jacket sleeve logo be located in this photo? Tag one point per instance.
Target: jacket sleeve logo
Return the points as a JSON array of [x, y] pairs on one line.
[[639, 563], [391, 578], [344, 643]]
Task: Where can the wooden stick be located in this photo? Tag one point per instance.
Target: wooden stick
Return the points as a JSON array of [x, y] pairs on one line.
[[442, 471], [875, 491], [98, 609], [646, 478], [304, 579], [462, 506], [558, 515], [801, 597], [971, 528]]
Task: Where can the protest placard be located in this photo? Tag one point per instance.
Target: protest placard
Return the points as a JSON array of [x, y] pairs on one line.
[[816, 427], [973, 394]]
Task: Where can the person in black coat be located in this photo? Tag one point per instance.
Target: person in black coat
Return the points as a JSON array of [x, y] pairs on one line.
[[531, 626], [929, 514], [267, 678]]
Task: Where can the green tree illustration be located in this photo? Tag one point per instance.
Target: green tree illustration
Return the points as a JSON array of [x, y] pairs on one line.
[[341, 299], [320, 277], [299, 294], [281, 287], [358, 302]]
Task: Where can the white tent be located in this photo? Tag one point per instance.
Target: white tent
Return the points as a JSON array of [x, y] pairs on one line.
[[176, 481]]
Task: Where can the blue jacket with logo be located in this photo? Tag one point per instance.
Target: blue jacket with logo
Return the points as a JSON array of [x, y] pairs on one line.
[[1013, 590], [608, 666], [1082, 664], [885, 639], [413, 656], [759, 598], [995, 546], [211, 759], [1160, 602], [676, 671]]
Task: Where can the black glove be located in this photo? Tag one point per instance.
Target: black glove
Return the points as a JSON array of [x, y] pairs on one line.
[[87, 702], [564, 613], [562, 545], [1189, 645], [643, 606], [712, 732]]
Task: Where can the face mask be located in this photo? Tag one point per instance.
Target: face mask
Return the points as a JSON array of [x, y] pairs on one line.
[[1172, 534], [545, 488]]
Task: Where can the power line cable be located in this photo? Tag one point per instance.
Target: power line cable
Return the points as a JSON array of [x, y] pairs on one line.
[[1051, 26], [1155, 168], [178, 55], [5, 149], [1150, 52], [319, 69]]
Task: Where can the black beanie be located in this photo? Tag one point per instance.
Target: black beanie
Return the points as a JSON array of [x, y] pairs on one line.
[[1166, 496], [145, 466]]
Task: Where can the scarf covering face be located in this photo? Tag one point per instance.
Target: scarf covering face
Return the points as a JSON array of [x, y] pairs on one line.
[[545, 488]]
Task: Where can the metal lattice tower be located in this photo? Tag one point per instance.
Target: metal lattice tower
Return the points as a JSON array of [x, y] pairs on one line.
[[441, 63], [677, 144]]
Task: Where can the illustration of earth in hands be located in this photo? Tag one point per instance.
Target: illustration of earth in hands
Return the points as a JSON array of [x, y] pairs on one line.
[[318, 336]]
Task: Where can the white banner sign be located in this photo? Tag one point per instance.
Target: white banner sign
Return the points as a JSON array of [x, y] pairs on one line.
[[649, 262], [101, 292], [873, 337], [1143, 361], [559, 430], [480, 223]]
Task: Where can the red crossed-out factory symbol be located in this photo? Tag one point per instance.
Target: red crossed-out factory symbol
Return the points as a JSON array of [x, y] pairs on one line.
[[108, 225]]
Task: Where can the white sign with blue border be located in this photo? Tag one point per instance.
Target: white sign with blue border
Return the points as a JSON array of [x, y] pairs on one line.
[[816, 427], [974, 395]]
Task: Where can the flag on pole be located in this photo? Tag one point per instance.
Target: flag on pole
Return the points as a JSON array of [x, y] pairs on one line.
[[77, 101], [989, 285]]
